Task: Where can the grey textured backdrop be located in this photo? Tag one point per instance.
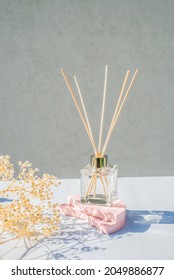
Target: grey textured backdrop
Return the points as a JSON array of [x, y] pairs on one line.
[[38, 120]]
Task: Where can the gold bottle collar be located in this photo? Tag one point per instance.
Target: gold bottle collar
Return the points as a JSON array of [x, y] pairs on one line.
[[99, 162]]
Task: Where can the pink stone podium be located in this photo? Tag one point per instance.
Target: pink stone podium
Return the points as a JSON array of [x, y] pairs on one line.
[[106, 219]]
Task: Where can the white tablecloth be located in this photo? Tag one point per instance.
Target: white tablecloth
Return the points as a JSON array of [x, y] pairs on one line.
[[148, 234]]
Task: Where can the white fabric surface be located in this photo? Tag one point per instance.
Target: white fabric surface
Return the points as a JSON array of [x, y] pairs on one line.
[[148, 234]]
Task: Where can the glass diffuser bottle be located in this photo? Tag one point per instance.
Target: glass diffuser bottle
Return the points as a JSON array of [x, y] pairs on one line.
[[98, 179], [99, 182]]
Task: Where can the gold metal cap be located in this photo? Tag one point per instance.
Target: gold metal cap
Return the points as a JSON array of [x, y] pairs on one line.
[[99, 162]]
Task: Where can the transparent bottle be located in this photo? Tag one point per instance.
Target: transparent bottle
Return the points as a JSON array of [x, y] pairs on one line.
[[99, 182]]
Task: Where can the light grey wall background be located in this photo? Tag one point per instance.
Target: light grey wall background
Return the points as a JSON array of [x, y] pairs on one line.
[[38, 120]]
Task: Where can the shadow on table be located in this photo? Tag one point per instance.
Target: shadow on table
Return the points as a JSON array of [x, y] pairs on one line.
[[76, 237], [141, 220], [2, 199]]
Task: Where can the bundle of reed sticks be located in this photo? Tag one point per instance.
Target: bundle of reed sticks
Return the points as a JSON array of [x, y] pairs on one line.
[[100, 150]]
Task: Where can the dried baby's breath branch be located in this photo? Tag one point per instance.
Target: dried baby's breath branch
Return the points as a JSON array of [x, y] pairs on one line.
[[28, 210], [6, 169]]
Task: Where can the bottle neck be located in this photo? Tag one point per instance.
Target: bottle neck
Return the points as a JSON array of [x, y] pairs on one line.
[[99, 162]]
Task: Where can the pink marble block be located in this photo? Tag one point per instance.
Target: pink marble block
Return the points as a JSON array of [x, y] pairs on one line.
[[106, 219]]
